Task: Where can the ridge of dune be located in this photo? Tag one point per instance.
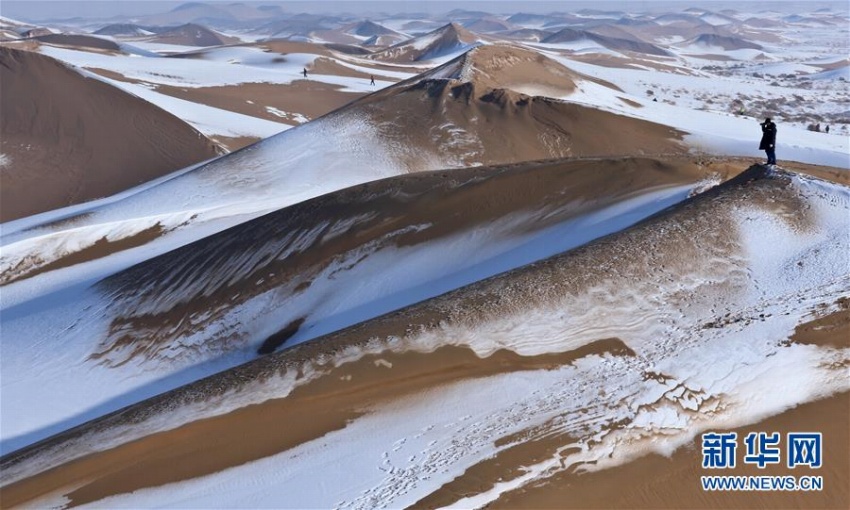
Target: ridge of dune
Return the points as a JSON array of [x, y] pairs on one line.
[[494, 104], [678, 291], [441, 42], [296, 273], [68, 139]]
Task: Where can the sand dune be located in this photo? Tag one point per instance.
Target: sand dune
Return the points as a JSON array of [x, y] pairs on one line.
[[68, 139], [623, 351], [297, 273], [657, 481], [443, 41], [450, 117], [348, 229], [522, 275], [490, 106]]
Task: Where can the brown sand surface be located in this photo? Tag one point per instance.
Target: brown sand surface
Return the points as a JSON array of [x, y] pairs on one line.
[[253, 432], [441, 40], [837, 175], [622, 62], [493, 189], [832, 329], [309, 98], [656, 481], [70, 139], [838, 64], [84, 42], [476, 118]]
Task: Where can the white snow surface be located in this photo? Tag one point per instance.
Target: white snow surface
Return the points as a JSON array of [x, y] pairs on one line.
[[716, 132]]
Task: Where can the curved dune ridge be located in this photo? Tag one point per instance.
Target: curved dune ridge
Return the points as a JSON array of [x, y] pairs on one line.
[[443, 41], [576, 364], [96, 139], [312, 268]]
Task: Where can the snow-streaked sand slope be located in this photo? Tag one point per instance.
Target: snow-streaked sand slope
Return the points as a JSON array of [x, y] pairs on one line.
[[451, 117], [315, 267], [629, 345]]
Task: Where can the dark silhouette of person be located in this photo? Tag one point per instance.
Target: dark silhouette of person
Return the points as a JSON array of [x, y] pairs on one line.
[[768, 140], [305, 72], [371, 80], [827, 129]]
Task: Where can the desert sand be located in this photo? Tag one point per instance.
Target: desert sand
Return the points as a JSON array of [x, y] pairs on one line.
[[341, 392], [69, 139]]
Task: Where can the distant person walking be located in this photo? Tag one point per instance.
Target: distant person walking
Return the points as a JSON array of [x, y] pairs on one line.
[[768, 140], [827, 129], [371, 80], [305, 72]]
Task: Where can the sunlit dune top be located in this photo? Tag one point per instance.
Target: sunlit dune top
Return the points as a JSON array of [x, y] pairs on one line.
[[495, 66]]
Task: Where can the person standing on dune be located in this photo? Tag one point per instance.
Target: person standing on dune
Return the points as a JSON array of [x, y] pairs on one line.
[[768, 140], [372, 80], [305, 72]]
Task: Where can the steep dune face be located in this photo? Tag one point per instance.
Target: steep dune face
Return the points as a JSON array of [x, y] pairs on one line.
[[488, 107], [322, 265], [632, 344], [441, 42], [67, 139]]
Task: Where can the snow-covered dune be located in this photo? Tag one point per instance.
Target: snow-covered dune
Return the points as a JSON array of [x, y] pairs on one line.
[[304, 271], [442, 119], [632, 344]]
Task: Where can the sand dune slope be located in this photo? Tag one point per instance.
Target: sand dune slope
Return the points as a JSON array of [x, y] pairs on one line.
[[583, 362], [68, 139], [465, 113], [309, 269], [492, 105]]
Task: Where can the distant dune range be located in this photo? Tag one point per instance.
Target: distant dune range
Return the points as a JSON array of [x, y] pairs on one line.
[[68, 139]]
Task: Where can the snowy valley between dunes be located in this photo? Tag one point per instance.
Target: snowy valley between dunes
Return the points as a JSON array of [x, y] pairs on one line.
[[258, 257]]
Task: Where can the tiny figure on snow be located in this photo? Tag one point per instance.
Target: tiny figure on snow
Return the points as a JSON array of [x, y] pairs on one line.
[[827, 129], [768, 140], [371, 80], [305, 72]]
